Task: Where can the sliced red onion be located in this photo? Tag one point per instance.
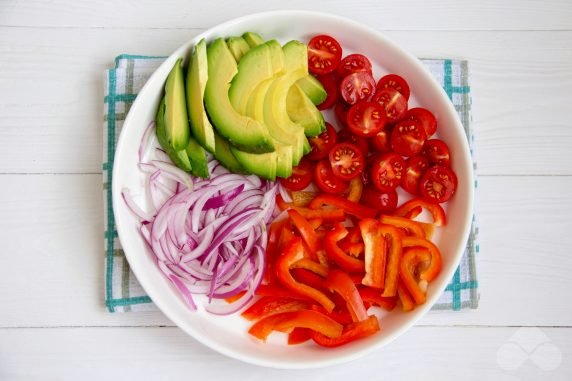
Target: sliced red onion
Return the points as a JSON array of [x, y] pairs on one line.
[[223, 199], [135, 209], [170, 169], [145, 140]]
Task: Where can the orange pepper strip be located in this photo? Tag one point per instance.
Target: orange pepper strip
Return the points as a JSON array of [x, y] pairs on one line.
[[393, 238], [409, 226], [352, 332], [268, 305], [356, 189], [375, 249], [434, 267], [428, 229], [336, 254], [407, 303], [340, 282], [293, 252], [411, 259], [284, 321], [349, 207], [439, 217], [306, 231]]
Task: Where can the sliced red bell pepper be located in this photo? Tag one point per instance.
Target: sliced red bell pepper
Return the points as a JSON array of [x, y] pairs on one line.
[[310, 278], [285, 321], [375, 252], [412, 258], [413, 213], [353, 249], [410, 227], [293, 252], [281, 204], [407, 303], [439, 217], [310, 265], [302, 198], [347, 206], [351, 333], [268, 305], [299, 335], [393, 237], [341, 283], [356, 189], [234, 298], [428, 229], [315, 223], [373, 296], [333, 214], [306, 231], [276, 290], [431, 271], [337, 255], [272, 249], [341, 315]]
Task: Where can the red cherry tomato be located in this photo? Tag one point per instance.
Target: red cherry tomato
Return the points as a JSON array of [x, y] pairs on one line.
[[408, 137], [393, 101], [423, 116], [322, 143], [326, 180], [381, 140], [366, 118], [357, 87], [387, 171], [383, 200], [330, 84], [437, 152], [395, 82], [438, 184], [415, 167], [324, 54], [301, 176], [347, 160], [341, 112], [345, 135], [354, 63]]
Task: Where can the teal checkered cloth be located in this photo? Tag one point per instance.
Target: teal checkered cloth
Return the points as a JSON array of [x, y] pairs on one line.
[[122, 84]]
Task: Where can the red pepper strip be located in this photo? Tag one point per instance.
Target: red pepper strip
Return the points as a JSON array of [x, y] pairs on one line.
[[323, 257], [324, 214], [373, 296], [353, 249], [410, 227], [341, 283], [341, 315], [268, 305], [349, 207], [356, 278], [284, 321], [293, 252], [299, 335], [272, 247], [393, 237], [375, 249], [306, 231], [434, 267], [428, 229], [280, 292], [413, 213], [407, 303], [282, 205], [234, 298], [352, 332], [336, 254], [315, 223], [439, 217], [302, 198], [356, 189], [412, 258], [310, 265], [309, 278]]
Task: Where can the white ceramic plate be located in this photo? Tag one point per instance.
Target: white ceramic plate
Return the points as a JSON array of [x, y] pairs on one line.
[[228, 335]]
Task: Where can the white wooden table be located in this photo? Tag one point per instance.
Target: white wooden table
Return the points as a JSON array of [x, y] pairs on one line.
[[53, 324]]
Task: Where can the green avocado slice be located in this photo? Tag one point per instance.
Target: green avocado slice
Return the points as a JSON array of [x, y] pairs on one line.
[[179, 158], [238, 47], [176, 121]]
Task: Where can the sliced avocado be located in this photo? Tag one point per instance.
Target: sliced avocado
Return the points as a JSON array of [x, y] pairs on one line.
[[313, 89], [197, 77], [253, 39], [263, 165], [259, 64], [179, 158], [238, 47], [307, 146], [176, 121], [302, 111], [224, 155], [243, 132], [198, 158]]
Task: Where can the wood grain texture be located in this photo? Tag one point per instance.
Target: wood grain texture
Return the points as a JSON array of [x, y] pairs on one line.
[[423, 353], [51, 270], [394, 15], [520, 95]]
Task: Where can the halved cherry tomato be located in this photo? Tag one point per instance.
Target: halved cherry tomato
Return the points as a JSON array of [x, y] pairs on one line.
[[396, 82], [408, 137], [437, 152], [354, 63], [415, 167], [357, 87], [381, 140], [387, 171], [330, 84], [341, 112], [324, 54], [438, 184], [300, 178], [322, 143], [393, 101], [326, 180], [423, 116], [383, 200], [366, 118], [345, 135], [347, 160]]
